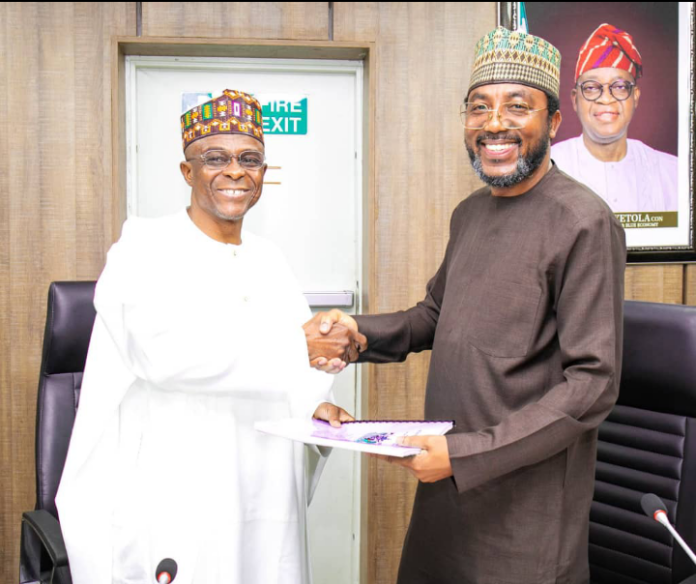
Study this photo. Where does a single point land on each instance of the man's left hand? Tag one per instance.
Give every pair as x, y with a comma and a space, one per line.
332, 414
432, 464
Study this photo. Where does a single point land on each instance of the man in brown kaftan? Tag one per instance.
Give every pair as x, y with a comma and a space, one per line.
524, 319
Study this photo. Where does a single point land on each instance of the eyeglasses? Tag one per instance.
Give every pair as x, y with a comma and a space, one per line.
513, 115
219, 159
619, 90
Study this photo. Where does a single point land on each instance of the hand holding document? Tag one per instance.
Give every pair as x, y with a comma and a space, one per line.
371, 436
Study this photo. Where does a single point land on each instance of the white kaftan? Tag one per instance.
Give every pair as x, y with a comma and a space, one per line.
644, 180
194, 341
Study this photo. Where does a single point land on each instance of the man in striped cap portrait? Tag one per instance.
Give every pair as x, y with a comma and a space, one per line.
524, 319
628, 174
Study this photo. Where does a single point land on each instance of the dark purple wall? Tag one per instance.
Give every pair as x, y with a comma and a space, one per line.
654, 28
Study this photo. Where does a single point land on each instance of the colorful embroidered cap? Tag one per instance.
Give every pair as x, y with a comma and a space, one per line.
505, 56
609, 46
233, 112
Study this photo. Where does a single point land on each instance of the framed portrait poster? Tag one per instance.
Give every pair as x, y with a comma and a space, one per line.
628, 135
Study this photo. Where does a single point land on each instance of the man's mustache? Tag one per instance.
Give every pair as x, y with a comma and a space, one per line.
499, 136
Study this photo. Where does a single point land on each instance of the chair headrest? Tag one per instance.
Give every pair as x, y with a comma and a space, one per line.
659, 358
69, 323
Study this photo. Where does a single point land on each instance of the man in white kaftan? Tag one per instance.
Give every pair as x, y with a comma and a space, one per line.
645, 179
629, 175
164, 461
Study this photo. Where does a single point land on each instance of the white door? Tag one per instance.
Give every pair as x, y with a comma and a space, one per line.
311, 207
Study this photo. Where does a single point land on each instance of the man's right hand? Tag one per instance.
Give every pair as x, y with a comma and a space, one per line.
333, 341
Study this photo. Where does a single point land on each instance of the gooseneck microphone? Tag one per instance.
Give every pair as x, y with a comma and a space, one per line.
654, 507
166, 571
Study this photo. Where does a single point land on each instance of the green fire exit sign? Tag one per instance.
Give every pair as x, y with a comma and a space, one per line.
285, 116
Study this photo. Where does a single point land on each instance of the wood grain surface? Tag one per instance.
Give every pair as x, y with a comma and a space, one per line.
663, 283
242, 20
690, 285
55, 212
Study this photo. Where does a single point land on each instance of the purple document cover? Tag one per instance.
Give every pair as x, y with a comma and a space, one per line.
380, 432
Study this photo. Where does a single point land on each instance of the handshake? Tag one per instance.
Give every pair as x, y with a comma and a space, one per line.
333, 341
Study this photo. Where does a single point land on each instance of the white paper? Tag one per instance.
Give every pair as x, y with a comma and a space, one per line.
355, 436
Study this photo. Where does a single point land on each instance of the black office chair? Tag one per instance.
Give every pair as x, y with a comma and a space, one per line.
648, 445
69, 323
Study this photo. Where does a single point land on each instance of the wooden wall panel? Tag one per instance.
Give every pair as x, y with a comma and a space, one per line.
239, 20
356, 21
24, 222
424, 55
663, 283
55, 214
7, 488
690, 284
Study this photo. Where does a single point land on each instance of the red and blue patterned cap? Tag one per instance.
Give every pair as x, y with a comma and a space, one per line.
609, 46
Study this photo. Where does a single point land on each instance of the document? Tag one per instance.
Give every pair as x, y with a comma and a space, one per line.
373, 436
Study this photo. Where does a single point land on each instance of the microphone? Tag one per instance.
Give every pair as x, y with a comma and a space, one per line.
166, 571
654, 507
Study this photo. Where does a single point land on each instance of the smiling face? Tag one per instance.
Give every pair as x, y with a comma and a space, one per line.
221, 197
504, 158
606, 120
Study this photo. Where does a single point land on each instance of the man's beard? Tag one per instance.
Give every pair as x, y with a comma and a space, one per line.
526, 165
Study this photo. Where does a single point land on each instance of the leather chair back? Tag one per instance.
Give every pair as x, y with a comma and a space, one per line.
69, 323
648, 445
